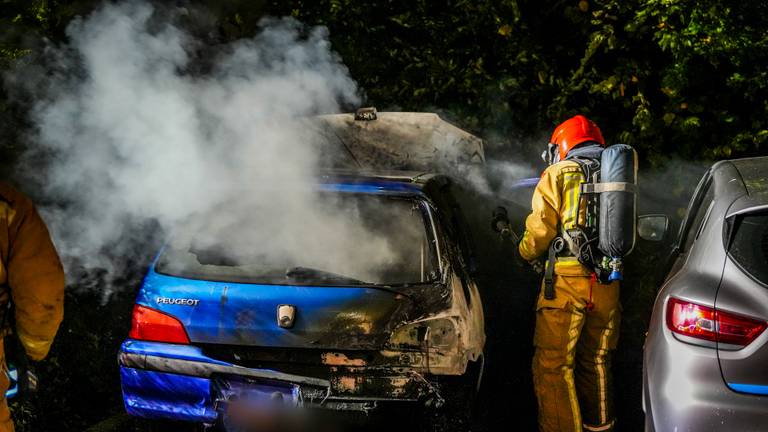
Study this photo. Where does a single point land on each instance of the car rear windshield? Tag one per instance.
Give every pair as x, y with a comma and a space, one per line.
341, 239
749, 247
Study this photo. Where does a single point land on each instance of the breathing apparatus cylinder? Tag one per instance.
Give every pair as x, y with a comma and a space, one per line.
618, 205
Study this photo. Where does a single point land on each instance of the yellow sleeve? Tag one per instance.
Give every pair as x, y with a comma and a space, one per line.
36, 281
542, 224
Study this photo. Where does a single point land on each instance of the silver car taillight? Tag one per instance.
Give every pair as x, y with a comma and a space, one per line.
703, 322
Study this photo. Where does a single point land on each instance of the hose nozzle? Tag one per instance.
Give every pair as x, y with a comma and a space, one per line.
500, 220
500, 224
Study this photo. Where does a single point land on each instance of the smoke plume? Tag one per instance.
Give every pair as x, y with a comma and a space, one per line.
128, 138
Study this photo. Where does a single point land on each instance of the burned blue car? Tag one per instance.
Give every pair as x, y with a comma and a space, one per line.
214, 321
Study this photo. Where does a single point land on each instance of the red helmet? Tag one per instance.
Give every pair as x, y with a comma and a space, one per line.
573, 132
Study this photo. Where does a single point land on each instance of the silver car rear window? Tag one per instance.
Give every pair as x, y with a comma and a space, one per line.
749, 247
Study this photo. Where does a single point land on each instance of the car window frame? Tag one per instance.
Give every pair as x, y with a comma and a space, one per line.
729, 241
456, 238
429, 210
704, 221
694, 207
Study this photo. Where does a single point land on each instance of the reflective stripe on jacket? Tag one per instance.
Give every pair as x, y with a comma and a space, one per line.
555, 207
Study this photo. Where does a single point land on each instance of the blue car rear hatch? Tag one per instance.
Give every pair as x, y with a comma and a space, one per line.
334, 343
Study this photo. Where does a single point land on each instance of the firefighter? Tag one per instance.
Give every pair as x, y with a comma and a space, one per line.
32, 278
577, 316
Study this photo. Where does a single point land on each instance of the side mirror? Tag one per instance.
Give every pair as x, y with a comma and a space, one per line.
652, 227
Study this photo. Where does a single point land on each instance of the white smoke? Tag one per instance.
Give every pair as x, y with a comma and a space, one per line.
126, 134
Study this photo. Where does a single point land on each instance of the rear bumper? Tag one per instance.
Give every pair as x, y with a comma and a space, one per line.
157, 395
166, 381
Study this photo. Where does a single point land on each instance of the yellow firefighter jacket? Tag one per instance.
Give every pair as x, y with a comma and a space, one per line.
30, 273
555, 208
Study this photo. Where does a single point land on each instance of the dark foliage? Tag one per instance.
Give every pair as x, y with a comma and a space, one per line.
669, 77
674, 78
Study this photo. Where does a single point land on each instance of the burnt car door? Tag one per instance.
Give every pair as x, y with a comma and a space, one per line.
463, 261
487, 265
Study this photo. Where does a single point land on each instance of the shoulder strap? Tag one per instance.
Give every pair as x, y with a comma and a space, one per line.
588, 166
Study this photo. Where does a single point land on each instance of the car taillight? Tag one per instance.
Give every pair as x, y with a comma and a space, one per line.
703, 322
152, 325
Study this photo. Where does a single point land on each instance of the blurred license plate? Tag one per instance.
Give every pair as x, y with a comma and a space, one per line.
233, 395
253, 405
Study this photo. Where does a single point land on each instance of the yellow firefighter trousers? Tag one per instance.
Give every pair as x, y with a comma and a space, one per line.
572, 364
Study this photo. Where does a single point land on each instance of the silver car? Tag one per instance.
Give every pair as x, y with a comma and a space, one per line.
705, 364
